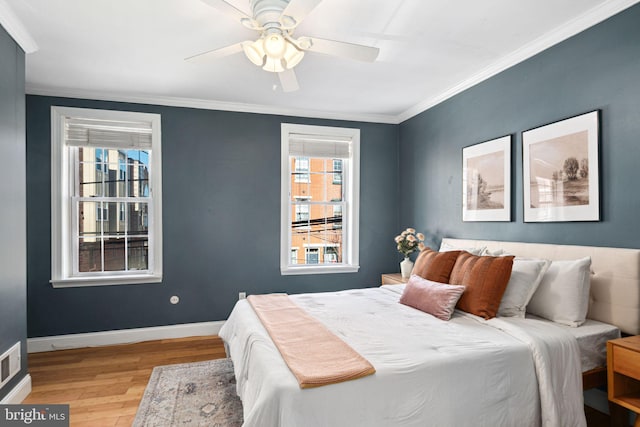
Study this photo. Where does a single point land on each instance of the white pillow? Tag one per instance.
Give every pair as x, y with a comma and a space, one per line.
526, 275
497, 252
563, 293
446, 247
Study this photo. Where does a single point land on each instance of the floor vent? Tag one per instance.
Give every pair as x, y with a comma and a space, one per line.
9, 364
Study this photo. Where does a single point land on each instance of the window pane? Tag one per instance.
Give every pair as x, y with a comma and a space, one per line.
89, 255
138, 253
111, 223
143, 174
90, 216
114, 254
317, 228
133, 155
334, 190
123, 176
300, 191
139, 186
112, 174
138, 218
90, 171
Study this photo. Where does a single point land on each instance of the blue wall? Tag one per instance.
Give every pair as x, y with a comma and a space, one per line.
13, 251
221, 208
596, 69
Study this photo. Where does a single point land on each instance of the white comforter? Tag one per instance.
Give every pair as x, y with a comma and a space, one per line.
465, 372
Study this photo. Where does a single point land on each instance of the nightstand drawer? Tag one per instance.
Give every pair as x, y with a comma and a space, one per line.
626, 362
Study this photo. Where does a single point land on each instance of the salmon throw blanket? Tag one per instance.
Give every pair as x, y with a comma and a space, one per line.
314, 354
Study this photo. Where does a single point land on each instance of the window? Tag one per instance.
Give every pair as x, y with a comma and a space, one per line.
337, 216
320, 199
331, 254
102, 212
311, 256
302, 213
106, 197
337, 171
301, 167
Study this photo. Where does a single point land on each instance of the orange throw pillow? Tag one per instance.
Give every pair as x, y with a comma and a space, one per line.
485, 279
435, 266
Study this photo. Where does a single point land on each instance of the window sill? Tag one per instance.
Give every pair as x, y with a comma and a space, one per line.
320, 269
75, 282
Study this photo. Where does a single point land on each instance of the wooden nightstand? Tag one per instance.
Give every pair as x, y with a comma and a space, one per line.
393, 279
623, 376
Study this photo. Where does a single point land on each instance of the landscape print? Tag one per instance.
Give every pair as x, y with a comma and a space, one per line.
559, 171
485, 181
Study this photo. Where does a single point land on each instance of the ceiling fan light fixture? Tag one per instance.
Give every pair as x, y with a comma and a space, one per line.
273, 65
275, 45
255, 52
292, 55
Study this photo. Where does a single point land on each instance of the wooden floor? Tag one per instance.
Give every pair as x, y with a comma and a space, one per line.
104, 385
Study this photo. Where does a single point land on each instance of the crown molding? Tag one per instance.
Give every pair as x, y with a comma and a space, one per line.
208, 104
573, 27
16, 29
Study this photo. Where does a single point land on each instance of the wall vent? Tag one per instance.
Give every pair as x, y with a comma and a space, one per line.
9, 364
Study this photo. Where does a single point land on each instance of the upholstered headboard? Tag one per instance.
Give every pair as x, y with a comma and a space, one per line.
615, 276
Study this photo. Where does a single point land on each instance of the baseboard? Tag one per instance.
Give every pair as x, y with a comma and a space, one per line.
122, 336
18, 393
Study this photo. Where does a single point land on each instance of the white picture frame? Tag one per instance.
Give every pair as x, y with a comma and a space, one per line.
560, 170
486, 181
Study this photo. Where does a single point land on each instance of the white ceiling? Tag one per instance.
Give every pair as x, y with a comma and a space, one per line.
134, 50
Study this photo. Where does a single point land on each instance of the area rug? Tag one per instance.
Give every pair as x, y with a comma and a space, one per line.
191, 394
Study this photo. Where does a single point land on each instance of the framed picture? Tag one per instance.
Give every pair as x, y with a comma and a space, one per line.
486, 181
560, 170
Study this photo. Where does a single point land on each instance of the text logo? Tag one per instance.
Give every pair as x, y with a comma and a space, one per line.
34, 415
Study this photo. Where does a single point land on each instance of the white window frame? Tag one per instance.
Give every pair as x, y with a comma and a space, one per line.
62, 181
350, 214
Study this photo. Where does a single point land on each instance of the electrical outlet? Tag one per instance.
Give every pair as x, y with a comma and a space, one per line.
242, 295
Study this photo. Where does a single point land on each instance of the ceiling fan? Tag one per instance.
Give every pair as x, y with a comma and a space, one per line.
276, 50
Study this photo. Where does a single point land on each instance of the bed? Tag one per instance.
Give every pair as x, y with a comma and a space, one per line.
467, 371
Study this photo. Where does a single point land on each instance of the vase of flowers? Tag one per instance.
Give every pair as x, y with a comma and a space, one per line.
408, 242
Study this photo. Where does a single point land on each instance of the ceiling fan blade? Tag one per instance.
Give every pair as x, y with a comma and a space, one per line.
343, 49
299, 9
235, 13
288, 80
211, 55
